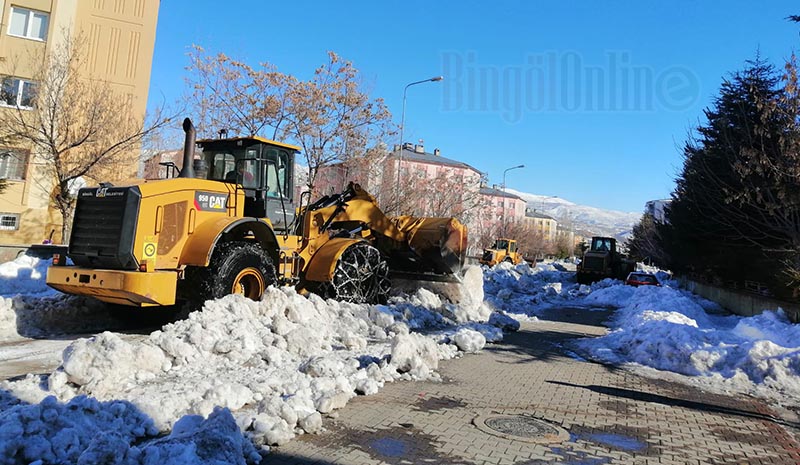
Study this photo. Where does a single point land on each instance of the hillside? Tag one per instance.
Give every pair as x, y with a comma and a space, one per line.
587, 221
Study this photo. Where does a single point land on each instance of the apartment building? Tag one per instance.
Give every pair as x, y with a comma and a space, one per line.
120, 37
545, 225
429, 183
499, 208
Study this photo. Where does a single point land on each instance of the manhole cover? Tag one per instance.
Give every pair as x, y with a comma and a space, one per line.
521, 428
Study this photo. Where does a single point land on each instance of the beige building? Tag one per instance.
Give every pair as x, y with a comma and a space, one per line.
120, 35
544, 225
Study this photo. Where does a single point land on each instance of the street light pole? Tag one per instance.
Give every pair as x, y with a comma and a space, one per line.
543, 200
547, 198
504, 194
402, 124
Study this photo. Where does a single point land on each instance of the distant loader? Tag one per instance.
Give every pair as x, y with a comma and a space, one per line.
503, 250
603, 260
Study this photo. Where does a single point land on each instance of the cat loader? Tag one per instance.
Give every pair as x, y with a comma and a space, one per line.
603, 260
228, 224
503, 250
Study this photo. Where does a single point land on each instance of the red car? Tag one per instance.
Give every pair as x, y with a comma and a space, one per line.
642, 279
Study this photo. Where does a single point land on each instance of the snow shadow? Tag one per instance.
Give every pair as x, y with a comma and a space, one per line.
63, 317
87, 431
589, 316
677, 402
542, 346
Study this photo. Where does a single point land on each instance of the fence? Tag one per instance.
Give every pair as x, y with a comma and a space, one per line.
741, 302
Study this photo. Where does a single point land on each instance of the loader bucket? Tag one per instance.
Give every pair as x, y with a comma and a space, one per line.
439, 244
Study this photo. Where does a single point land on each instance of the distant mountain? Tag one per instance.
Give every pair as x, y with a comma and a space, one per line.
586, 221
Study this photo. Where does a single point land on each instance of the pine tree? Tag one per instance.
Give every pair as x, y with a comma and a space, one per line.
730, 203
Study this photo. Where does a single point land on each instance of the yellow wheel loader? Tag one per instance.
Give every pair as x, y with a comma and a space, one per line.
603, 260
503, 250
228, 224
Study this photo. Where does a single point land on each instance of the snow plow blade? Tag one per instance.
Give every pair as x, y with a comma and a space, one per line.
438, 248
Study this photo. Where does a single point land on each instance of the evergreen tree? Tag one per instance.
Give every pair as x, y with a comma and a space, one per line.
646, 243
731, 199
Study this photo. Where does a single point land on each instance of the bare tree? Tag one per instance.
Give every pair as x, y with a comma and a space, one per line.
333, 118
330, 116
531, 242
76, 126
228, 94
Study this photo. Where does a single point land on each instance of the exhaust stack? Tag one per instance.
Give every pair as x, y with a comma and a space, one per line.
188, 150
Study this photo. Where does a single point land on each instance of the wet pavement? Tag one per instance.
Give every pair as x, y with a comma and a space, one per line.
609, 415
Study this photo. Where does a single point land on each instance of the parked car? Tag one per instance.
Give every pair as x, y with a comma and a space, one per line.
638, 278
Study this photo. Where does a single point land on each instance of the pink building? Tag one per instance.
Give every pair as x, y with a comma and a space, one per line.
430, 185
498, 208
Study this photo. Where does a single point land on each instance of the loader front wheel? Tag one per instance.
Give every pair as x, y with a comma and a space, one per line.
243, 268
361, 276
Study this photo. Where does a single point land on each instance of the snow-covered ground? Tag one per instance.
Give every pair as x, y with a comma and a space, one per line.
268, 369
226, 383
665, 328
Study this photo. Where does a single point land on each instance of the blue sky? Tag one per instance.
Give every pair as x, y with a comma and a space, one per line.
595, 98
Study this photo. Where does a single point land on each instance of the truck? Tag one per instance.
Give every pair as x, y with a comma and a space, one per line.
228, 223
603, 260
503, 250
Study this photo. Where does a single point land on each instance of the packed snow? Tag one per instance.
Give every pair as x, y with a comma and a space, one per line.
664, 328
226, 383
269, 370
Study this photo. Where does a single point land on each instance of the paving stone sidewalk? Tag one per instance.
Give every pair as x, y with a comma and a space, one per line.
611, 416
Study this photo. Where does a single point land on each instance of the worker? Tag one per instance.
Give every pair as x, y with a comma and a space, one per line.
241, 175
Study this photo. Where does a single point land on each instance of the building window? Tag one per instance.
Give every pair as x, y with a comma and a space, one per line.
9, 221
12, 165
29, 24
16, 92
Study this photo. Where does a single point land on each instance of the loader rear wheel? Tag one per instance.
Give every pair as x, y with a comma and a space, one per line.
361, 276
243, 268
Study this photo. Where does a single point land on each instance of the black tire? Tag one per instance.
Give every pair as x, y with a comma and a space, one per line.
361, 276
236, 268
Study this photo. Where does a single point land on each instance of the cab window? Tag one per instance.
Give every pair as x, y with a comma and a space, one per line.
277, 170
221, 164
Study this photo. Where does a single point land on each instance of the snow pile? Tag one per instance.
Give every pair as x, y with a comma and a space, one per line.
671, 329
278, 364
87, 431
36, 316
523, 289
469, 340
463, 302
24, 275
30, 308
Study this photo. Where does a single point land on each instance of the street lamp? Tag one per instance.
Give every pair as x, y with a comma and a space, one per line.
402, 124
547, 198
504, 194
550, 236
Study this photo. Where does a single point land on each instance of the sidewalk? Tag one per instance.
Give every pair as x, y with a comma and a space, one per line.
610, 416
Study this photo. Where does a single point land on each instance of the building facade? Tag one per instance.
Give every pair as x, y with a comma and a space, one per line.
657, 209
120, 38
430, 184
499, 210
544, 225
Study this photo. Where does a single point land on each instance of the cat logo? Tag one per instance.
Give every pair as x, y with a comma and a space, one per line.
101, 192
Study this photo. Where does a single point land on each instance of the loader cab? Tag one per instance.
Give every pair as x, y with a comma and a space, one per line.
262, 167
509, 245
604, 244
